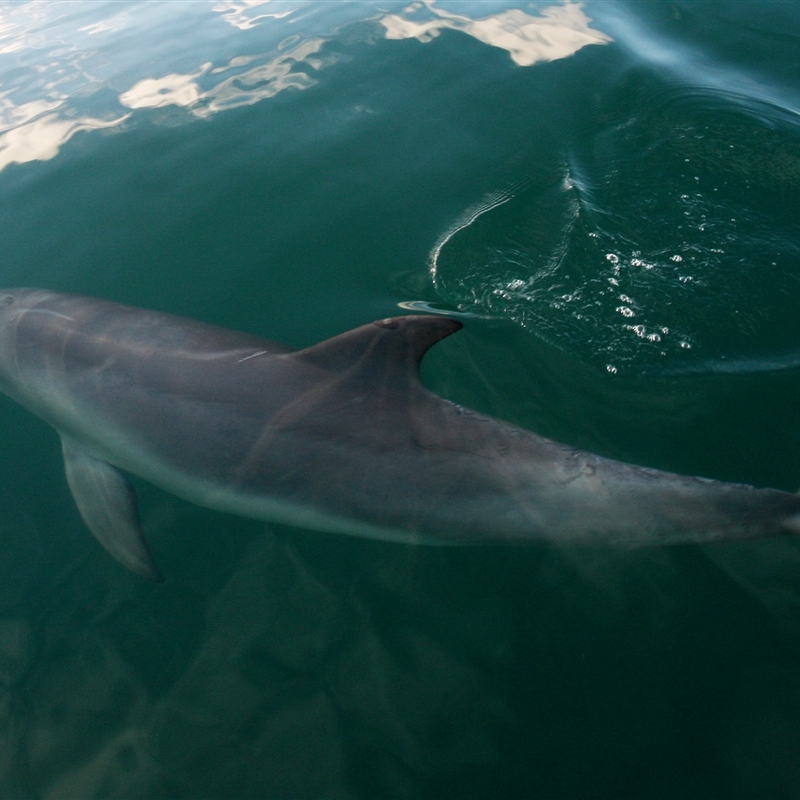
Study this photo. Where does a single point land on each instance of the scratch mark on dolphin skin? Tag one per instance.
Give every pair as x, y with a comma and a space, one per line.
253, 355
52, 313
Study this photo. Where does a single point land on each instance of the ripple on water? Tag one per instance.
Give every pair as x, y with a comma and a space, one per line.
663, 239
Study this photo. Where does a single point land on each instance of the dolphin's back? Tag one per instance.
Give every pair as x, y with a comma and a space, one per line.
156, 379
338, 427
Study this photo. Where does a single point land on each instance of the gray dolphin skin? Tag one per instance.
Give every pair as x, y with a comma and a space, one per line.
341, 437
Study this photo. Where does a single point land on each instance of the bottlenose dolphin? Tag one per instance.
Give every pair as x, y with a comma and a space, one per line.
341, 436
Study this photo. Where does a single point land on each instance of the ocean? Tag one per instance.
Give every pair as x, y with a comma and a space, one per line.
607, 195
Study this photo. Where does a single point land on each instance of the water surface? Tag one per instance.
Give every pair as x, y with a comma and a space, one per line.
607, 194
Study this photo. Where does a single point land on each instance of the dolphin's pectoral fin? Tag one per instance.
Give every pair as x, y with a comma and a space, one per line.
107, 503
398, 344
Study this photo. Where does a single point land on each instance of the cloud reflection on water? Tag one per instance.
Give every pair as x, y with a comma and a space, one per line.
240, 89
558, 32
238, 13
41, 139
65, 56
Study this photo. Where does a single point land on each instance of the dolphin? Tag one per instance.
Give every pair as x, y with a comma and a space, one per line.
341, 436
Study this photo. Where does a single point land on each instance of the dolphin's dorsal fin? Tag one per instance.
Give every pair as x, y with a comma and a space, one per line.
107, 502
397, 342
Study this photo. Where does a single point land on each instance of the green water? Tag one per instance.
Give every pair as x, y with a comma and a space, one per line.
608, 196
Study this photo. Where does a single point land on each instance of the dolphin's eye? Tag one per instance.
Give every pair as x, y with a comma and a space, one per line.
6, 300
